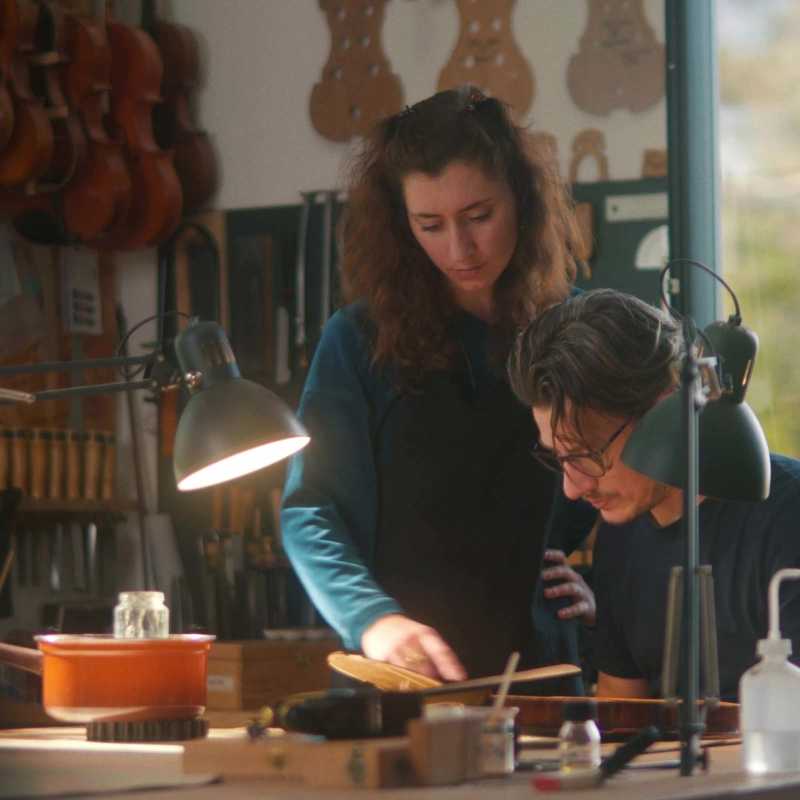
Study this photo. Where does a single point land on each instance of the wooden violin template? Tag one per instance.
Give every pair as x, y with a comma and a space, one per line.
619, 64
357, 87
487, 56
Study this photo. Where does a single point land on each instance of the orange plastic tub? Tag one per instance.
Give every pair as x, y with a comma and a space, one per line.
97, 677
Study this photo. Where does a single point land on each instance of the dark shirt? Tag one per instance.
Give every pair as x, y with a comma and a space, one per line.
745, 544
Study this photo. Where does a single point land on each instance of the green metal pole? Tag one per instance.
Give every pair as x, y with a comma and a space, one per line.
692, 94
692, 145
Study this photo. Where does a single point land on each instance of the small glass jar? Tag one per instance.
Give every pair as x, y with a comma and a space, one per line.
579, 737
141, 615
498, 740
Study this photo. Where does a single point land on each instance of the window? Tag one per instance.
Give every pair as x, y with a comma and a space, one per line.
759, 130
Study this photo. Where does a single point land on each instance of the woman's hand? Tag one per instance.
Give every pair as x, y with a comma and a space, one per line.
570, 584
405, 643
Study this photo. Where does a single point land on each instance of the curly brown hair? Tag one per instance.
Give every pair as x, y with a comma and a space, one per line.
407, 298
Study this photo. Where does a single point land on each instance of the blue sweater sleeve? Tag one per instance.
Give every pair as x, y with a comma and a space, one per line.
329, 509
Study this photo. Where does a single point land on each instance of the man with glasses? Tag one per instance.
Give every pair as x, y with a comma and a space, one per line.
590, 368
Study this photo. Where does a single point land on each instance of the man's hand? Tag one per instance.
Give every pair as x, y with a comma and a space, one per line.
569, 584
405, 643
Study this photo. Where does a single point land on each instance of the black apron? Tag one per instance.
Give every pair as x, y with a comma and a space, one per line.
462, 515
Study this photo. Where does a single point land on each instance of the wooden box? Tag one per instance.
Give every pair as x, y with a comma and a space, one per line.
254, 673
341, 764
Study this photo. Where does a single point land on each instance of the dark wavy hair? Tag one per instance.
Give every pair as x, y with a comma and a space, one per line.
382, 264
602, 350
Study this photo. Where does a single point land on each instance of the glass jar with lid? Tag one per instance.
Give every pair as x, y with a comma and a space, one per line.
141, 615
579, 737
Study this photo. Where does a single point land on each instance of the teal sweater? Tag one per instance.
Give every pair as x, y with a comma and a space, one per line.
329, 515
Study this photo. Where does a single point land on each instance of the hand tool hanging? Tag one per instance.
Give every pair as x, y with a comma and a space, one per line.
310, 281
300, 334
148, 567
9, 502
327, 257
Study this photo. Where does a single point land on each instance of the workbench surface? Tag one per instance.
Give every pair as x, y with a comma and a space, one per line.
41, 762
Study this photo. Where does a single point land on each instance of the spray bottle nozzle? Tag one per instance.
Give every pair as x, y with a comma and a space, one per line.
774, 645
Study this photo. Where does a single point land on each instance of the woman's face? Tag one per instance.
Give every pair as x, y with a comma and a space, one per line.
467, 224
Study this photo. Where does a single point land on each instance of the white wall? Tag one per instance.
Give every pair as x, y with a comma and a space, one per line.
262, 58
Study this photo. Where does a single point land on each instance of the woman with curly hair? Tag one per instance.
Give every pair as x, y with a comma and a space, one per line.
416, 517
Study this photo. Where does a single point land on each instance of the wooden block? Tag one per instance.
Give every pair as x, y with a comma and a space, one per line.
254, 673
343, 764
354, 763
233, 752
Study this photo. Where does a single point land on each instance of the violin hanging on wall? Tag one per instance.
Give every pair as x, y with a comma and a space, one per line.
29, 150
156, 200
36, 208
98, 198
173, 126
8, 41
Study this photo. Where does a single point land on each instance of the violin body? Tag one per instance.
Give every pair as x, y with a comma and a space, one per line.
156, 200
33, 201
29, 149
98, 197
620, 717
69, 141
194, 158
8, 41
6, 115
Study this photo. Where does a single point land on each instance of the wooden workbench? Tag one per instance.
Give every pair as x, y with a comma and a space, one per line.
33, 761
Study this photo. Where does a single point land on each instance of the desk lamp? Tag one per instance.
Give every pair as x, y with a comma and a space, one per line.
230, 426
721, 452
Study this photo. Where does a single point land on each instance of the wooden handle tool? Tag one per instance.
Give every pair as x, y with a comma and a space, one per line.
388, 677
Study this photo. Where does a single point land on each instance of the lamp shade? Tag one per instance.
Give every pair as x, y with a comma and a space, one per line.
230, 426
733, 457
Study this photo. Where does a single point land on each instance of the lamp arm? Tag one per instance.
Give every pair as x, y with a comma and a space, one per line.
161, 377
97, 388
64, 366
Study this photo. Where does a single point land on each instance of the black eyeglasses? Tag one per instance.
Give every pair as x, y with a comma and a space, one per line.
589, 462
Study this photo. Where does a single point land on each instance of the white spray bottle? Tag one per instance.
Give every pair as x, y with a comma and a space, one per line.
769, 693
